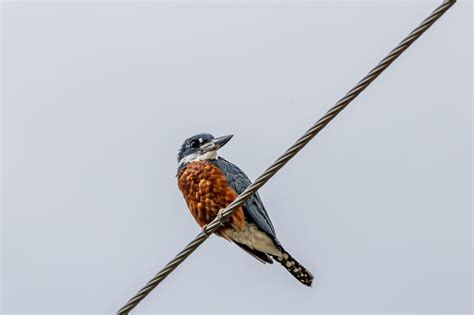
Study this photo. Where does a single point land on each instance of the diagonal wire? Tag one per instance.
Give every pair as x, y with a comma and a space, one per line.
290, 153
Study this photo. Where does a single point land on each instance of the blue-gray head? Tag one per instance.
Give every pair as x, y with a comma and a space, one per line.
201, 147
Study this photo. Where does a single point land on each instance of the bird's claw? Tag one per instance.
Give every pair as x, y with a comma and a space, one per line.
219, 218
203, 230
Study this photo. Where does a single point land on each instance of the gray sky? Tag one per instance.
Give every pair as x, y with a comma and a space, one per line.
97, 98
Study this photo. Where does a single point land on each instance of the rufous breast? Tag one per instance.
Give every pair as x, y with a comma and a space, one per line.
206, 190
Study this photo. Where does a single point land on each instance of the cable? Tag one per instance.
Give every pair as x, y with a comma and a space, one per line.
289, 154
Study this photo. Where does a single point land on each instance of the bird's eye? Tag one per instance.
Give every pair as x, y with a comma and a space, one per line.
194, 144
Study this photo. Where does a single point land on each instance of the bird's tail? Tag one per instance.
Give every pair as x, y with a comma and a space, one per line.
295, 268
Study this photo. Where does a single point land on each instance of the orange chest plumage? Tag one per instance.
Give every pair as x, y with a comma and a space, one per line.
206, 190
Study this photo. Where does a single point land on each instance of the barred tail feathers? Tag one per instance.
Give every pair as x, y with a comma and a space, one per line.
295, 268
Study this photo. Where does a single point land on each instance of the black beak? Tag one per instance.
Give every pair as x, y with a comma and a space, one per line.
221, 141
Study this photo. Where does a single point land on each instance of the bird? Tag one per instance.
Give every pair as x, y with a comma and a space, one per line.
209, 183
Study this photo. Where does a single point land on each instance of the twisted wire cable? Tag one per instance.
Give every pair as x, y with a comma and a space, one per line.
289, 154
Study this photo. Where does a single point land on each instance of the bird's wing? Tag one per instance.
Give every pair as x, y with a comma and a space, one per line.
253, 206
260, 256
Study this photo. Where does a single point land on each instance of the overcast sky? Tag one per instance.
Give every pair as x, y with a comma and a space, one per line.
98, 97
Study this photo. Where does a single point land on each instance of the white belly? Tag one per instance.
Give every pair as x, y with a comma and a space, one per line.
254, 238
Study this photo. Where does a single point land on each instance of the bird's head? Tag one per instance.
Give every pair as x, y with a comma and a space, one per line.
201, 147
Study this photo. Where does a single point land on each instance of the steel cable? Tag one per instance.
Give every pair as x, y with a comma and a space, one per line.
290, 153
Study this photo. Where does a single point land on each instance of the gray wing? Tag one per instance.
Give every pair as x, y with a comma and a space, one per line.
253, 206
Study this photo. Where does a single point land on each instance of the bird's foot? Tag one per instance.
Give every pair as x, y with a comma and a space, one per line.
219, 217
203, 230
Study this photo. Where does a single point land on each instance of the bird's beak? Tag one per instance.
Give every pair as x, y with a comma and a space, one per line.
216, 143
221, 141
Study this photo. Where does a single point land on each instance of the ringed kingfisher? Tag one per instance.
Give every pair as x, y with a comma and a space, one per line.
209, 183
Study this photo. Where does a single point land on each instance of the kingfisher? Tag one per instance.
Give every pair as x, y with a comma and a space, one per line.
209, 183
